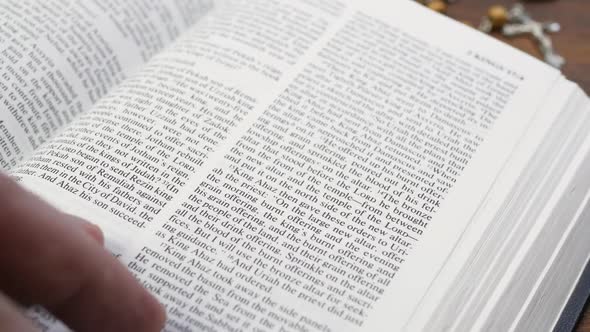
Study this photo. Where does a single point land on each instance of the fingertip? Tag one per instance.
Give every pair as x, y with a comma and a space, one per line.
89, 228
95, 232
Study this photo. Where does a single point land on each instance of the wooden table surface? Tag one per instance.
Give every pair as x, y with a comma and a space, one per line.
572, 42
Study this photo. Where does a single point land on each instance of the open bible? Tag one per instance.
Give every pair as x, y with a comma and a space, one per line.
312, 165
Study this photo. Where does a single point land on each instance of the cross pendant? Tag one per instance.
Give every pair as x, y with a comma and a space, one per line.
520, 23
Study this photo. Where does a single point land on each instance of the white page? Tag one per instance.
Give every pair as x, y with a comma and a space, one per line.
501, 189
206, 69
58, 58
400, 20
461, 203
535, 257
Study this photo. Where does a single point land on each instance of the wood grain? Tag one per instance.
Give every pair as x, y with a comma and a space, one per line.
572, 42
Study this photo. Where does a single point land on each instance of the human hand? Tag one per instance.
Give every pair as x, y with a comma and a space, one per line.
58, 261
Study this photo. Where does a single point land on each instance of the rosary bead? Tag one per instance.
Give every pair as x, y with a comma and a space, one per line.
498, 16
438, 6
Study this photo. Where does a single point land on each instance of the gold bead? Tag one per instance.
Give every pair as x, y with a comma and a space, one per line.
438, 6
498, 16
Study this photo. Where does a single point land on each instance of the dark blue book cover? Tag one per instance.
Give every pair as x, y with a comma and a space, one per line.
574, 309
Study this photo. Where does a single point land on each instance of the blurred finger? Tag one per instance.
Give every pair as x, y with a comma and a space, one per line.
46, 261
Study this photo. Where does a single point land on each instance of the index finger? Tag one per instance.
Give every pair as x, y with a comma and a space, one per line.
46, 261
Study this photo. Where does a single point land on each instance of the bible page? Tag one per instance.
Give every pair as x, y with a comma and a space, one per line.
296, 165
58, 58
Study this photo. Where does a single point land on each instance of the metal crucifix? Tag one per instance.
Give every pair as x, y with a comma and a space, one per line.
519, 22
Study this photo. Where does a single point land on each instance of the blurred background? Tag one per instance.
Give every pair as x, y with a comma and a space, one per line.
572, 42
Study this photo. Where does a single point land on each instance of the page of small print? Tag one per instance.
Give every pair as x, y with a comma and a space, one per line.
273, 168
